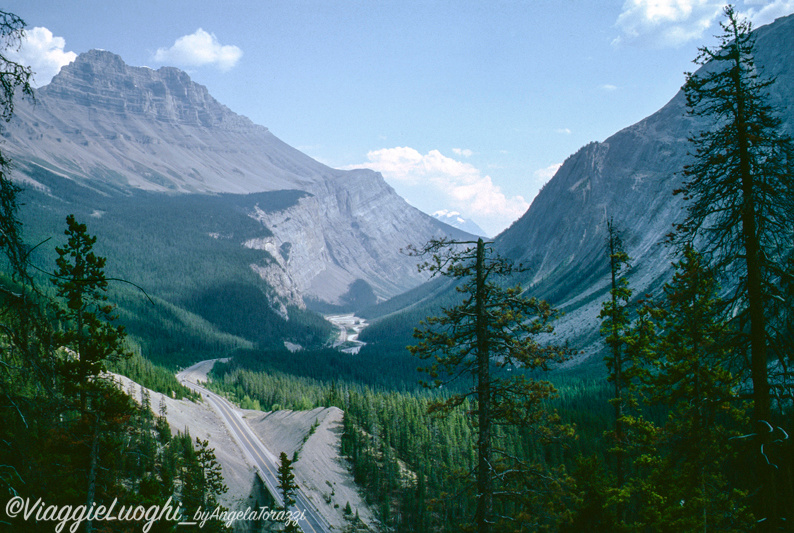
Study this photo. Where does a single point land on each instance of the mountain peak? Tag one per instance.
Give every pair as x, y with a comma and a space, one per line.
105, 131
102, 80
454, 219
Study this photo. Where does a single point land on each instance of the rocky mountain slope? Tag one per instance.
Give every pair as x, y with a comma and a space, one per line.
629, 177
114, 130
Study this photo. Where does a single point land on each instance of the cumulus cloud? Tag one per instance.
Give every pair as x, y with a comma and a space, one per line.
463, 152
198, 49
44, 53
762, 12
543, 175
665, 23
446, 182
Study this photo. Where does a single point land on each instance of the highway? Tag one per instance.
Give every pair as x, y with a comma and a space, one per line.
265, 462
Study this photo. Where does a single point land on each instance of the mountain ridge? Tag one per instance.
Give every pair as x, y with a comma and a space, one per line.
113, 129
560, 241
629, 178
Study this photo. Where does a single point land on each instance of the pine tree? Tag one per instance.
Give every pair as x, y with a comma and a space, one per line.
615, 325
214, 485
25, 362
689, 376
739, 186
741, 207
14, 80
287, 487
203, 480
490, 337
89, 338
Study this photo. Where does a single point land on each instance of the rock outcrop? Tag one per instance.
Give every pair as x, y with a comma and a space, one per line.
115, 128
629, 177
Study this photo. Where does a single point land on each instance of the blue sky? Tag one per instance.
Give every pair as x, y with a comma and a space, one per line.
462, 105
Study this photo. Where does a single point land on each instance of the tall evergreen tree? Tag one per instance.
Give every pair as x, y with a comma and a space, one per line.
287, 486
87, 338
741, 207
614, 326
14, 80
24, 331
739, 186
203, 481
87, 333
489, 337
690, 376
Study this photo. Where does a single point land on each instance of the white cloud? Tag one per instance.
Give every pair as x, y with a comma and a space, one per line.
463, 152
565, 131
44, 53
663, 23
762, 12
433, 180
199, 49
609, 87
543, 175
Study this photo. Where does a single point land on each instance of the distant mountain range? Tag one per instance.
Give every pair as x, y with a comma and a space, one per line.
230, 231
223, 221
454, 219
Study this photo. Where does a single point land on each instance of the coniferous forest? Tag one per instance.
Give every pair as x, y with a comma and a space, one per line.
482, 420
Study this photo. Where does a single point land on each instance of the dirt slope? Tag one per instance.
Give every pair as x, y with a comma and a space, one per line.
320, 471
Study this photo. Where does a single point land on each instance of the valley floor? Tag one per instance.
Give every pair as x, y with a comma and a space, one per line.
350, 326
320, 471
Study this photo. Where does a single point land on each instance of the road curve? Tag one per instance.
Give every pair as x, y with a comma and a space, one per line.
265, 462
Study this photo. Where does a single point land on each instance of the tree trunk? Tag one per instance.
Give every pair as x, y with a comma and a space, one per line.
93, 468
484, 472
752, 248
755, 300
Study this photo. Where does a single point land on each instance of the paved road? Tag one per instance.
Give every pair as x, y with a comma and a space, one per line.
266, 463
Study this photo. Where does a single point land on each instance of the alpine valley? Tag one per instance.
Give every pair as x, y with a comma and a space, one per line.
175, 254
233, 231
629, 178
225, 225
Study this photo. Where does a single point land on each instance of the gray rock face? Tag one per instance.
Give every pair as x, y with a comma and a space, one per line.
369, 229
103, 81
101, 121
629, 177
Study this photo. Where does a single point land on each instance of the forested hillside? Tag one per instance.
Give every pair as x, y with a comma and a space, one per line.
683, 424
630, 178
469, 409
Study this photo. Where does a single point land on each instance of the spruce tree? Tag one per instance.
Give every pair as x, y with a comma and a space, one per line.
741, 214
739, 187
615, 325
490, 337
88, 341
87, 335
690, 377
287, 487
